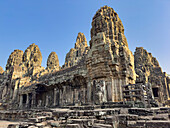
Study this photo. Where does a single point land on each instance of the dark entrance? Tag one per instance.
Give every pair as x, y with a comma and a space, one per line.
41, 95
24, 99
155, 92
30, 99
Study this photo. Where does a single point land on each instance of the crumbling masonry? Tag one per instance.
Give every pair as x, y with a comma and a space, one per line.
91, 75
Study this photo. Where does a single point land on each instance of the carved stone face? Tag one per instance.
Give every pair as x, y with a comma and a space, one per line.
32, 56
14, 59
53, 62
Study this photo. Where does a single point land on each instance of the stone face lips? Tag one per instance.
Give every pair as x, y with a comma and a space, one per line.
32, 56
15, 59
107, 20
75, 54
148, 70
52, 61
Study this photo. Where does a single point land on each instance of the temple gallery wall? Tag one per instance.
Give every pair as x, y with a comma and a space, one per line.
105, 71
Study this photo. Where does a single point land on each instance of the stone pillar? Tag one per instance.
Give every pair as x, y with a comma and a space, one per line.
121, 82
61, 98
104, 91
46, 103
27, 102
89, 92
33, 102
15, 92
76, 97
116, 90
55, 96
20, 101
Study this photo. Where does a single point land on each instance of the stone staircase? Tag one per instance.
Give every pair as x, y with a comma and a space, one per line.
95, 117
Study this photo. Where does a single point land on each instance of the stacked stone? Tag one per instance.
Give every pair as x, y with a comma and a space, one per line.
90, 75
53, 62
75, 55
24, 69
107, 20
15, 59
32, 56
149, 71
109, 58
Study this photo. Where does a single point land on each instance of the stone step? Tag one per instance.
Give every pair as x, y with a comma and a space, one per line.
100, 121
153, 124
54, 123
97, 125
115, 106
81, 121
141, 111
71, 126
82, 117
38, 119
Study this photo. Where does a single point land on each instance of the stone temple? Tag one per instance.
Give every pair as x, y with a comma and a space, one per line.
99, 86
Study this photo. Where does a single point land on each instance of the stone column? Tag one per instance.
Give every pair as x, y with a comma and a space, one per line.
33, 102
27, 102
104, 91
20, 101
89, 92
55, 96
15, 93
76, 97
61, 98
46, 103
116, 90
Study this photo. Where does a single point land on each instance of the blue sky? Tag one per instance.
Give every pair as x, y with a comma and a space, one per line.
54, 24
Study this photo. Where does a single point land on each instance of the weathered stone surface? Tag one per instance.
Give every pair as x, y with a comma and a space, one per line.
109, 58
94, 86
76, 54
107, 20
149, 70
53, 62
15, 59
32, 56
91, 75
1, 70
81, 41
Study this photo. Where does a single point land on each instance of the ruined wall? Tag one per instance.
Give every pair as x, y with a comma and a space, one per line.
148, 70
90, 75
109, 58
23, 69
